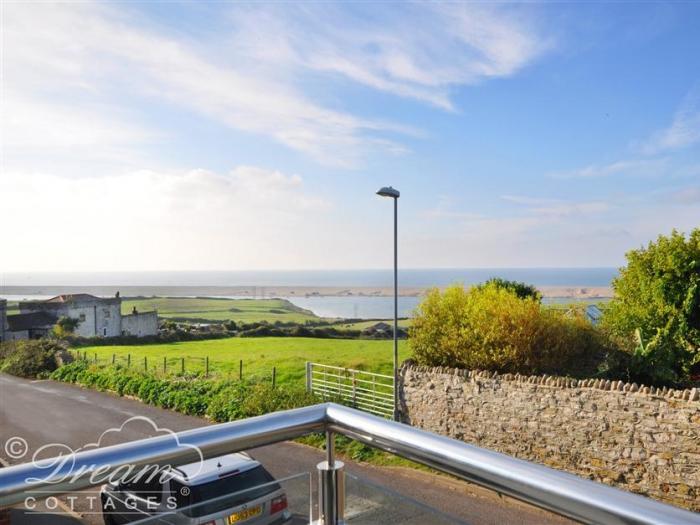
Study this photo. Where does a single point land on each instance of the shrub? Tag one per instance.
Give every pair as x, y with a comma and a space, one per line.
522, 290
221, 400
491, 328
656, 309
31, 358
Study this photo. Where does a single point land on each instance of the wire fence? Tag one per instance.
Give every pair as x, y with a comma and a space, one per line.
172, 365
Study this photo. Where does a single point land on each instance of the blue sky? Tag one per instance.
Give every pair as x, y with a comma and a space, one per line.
194, 136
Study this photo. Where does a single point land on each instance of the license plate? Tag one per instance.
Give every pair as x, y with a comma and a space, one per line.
245, 514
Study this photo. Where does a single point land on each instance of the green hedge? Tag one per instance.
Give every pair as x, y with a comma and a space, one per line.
219, 400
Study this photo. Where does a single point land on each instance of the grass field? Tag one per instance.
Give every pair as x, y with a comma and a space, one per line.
259, 355
201, 309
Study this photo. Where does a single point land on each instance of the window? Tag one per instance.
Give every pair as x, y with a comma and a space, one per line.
107, 313
240, 488
82, 318
104, 331
148, 489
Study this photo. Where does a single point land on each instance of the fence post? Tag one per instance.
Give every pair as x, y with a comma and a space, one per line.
182, 364
165, 364
240, 370
145, 363
274, 376
128, 360
95, 357
308, 376
354, 390
114, 357
206, 366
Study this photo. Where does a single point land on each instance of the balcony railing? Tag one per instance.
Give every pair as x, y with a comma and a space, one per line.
558, 492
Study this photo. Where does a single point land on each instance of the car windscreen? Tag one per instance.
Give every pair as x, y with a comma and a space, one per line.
227, 492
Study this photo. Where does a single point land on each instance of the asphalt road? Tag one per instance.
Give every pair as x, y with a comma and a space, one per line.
43, 412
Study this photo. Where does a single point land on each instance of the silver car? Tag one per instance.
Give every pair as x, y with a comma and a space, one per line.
227, 490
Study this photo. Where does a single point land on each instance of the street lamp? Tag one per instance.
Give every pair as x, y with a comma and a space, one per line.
394, 194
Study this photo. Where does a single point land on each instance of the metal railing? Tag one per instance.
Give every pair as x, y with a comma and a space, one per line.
559, 492
367, 391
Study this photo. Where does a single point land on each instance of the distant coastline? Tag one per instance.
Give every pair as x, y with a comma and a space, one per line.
260, 292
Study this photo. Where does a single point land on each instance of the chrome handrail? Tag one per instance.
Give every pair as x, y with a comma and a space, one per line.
559, 492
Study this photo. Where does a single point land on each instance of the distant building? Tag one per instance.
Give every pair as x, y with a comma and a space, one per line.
96, 316
3, 320
592, 313
30, 326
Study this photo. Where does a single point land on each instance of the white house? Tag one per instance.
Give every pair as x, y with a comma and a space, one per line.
96, 316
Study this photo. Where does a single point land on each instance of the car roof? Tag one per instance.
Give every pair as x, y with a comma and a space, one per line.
212, 469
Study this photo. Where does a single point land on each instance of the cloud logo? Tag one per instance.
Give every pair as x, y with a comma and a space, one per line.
62, 466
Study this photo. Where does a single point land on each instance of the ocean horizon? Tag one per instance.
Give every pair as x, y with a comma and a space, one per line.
410, 277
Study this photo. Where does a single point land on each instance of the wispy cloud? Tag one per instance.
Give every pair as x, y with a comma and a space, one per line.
79, 52
684, 130
413, 50
689, 195
632, 167
253, 77
556, 208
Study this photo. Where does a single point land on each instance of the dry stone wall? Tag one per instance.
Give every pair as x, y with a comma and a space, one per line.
642, 439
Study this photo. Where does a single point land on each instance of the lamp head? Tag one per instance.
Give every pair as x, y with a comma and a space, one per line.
388, 191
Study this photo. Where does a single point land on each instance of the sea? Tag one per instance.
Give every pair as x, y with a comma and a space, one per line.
27, 286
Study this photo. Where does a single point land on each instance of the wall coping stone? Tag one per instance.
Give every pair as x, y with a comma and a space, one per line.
688, 394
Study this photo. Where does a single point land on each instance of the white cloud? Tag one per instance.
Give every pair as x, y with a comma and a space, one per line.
689, 195
633, 167
684, 130
140, 220
414, 50
79, 52
556, 208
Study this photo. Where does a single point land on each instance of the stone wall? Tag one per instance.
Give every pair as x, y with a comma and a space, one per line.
642, 439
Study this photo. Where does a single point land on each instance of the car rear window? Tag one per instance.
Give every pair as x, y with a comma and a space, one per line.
256, 482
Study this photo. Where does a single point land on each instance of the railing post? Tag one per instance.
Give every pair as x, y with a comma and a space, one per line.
331, 486
309, 386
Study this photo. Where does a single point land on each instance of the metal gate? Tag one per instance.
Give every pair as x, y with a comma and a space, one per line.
366, 391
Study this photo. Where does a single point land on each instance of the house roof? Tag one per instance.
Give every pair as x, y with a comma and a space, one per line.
69, 298
29, 321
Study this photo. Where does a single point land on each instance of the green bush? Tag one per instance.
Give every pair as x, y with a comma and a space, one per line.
220, 400
522, 290
656, 309
30, 358
491, 328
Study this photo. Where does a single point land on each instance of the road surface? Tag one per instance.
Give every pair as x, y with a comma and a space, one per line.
43, 412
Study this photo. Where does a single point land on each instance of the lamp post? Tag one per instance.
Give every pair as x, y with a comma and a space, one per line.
394, 194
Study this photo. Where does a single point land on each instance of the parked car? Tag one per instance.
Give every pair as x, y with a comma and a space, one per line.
227, 490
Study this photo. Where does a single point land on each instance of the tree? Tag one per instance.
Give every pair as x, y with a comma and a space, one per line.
656, 307
65, 326
522, 290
